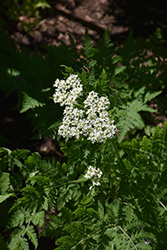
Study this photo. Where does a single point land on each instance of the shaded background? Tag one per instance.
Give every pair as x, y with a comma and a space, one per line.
55, 21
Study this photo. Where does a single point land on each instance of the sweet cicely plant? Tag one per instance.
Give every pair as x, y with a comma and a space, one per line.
89, 119
108, 191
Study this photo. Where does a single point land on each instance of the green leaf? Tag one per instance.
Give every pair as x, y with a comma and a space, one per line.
4, 197
106, 38
128, 120
32, 235
13, 72
87, 49
24, 244
16, 248
30, 103
4, 182
101, 210
92, 63
119, 69
42, 5
67, 242
129, 117
150, 96
18, 241
18, 218
38, 218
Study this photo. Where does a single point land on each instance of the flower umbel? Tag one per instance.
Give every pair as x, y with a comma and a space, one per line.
71, 122
91, 121
93, 174
67, 91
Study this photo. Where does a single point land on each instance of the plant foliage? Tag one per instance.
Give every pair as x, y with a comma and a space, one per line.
47, 197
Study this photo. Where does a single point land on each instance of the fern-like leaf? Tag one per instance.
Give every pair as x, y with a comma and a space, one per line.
4, 183
4, 197
32, 235
87, 50
106, 38
129, 117
66, 243
150, 96
30, 103
18, 218
38, 218
17, 241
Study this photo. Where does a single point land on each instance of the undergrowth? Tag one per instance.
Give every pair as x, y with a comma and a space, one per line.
45, 197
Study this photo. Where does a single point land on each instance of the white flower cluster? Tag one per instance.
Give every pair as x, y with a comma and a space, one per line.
92, 121
94, 174
98, 125
67, 91
72, 121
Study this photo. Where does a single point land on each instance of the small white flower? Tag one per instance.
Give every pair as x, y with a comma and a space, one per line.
94, 174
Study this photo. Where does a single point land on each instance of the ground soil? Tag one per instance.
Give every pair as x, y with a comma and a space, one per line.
73, 16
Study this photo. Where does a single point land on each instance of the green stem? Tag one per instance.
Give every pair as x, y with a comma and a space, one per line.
128, 136
77, 181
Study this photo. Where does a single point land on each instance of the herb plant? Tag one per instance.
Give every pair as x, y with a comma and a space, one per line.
110, 191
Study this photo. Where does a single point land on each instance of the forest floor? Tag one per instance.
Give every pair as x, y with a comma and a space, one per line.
73, 16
